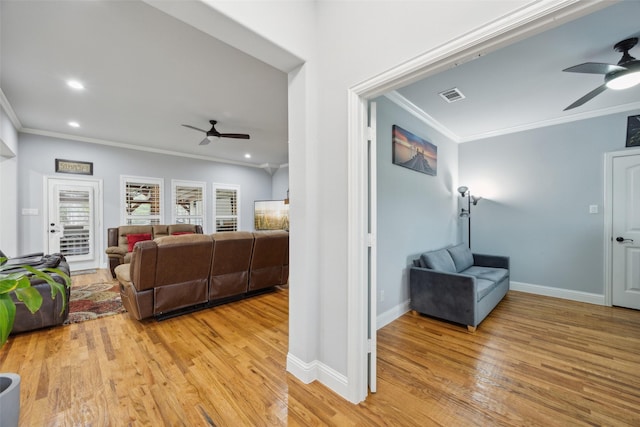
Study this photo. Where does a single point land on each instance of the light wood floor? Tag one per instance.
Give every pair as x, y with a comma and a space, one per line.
533, 361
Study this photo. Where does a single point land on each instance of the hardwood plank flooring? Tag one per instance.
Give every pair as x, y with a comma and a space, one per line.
535, 361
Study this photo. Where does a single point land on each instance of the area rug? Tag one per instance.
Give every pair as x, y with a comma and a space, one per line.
93, 301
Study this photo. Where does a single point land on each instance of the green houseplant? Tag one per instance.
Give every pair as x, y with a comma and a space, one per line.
18, 283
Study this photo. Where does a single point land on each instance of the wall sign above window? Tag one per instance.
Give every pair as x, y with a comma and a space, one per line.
72, 166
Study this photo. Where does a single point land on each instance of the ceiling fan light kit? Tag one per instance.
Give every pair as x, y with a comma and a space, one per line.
624, 75
623, 80
207, 139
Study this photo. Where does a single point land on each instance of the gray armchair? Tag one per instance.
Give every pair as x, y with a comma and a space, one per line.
455, 285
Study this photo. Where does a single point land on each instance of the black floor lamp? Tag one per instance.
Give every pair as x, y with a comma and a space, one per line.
466, 213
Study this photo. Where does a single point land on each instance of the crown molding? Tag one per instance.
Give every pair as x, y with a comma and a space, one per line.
4, 103
271, 168
133, 147
6, 106
553, 122
420, 114
417, 112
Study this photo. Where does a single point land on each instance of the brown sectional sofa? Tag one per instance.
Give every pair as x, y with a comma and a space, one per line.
118, 243
270, 260
229, 273
172, 274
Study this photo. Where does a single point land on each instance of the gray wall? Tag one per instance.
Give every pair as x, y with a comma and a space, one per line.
416, 212
538, 186
280, 183
36, 160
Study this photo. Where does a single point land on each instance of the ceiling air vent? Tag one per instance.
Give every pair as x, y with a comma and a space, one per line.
452, 95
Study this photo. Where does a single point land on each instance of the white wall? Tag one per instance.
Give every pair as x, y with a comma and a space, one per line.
8, 187
538, 186
354, 41
416, 212
37, 159
358, 40
349, 53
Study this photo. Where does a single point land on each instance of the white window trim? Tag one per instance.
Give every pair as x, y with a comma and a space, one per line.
236, 187
182, 183
143, 179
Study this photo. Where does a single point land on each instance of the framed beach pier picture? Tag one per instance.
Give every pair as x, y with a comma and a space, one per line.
413, 152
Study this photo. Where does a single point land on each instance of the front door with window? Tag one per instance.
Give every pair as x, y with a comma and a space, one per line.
73, 221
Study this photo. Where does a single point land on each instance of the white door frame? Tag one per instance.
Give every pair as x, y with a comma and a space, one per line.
525, 22
373, 248
608, 220
98, 216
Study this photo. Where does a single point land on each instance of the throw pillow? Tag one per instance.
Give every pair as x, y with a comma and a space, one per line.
438, 260
462, 257
179, 233
132, 239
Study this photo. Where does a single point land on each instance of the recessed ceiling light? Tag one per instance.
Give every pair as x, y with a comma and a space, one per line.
247, 156
74, 124
75, 84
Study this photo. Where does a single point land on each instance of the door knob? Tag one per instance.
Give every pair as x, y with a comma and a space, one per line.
622, 239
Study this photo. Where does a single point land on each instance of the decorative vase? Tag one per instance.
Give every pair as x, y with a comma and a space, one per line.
9, 399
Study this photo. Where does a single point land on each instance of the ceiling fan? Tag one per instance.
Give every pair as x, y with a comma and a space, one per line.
624, 75
213, 133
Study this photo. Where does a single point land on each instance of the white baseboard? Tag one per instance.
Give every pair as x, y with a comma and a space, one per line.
334, 380
305, 372
389, 316
317, 371
558, 293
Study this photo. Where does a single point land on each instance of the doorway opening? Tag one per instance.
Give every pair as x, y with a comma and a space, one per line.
529, 22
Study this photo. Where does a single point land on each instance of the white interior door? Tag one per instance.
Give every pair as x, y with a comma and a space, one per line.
626, 232
73, 221
373, 253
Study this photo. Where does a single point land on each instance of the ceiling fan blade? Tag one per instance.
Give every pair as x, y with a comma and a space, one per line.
213, 133
594, 68
235, 135
597, 91
195, 128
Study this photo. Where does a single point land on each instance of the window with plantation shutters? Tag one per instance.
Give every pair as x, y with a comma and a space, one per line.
75, 217
227, 207
141, 200
188, 202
